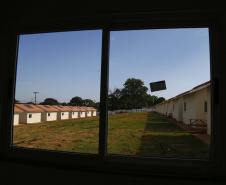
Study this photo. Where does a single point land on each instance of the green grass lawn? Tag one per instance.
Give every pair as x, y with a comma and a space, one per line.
140, 134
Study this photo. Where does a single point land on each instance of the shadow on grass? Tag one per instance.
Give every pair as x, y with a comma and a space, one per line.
165, 139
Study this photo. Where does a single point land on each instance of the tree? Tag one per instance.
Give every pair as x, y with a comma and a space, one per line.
97, 106
88, 102
159, 100
16, 101
64, 104
30, 102
50, 101
134, 93
114, 99
76, 101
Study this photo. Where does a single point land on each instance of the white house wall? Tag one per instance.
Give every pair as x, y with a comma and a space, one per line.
88, 113
178, 109
65, 115
190, 112
82, 114
36, 117
75, 114
94, 113
52, 117
16, 119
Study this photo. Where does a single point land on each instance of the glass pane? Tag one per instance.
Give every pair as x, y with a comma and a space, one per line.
58, 91
171, 122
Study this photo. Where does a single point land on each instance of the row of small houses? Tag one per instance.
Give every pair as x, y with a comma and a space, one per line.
28, 113
193, 106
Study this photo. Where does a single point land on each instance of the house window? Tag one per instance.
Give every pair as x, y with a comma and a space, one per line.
73, 113
48, 114
30, 115
107, 130
205, 106
62, 113
185, 108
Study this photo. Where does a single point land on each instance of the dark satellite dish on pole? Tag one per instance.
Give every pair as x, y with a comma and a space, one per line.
158, 86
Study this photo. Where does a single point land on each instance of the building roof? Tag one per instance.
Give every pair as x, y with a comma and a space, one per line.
62, 108
91, 108
17, 110
196, 88
73, 108
81, 108
29, 107
48, 108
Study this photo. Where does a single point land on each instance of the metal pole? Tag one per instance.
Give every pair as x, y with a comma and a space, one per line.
35, 96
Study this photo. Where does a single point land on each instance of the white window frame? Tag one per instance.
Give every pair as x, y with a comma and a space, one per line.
133, 164
29, 115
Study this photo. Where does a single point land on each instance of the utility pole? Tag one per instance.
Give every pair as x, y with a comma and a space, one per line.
35, 96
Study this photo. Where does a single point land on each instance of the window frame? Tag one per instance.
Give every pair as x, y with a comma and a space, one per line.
185, 106
205, 107
29, 115
116, 163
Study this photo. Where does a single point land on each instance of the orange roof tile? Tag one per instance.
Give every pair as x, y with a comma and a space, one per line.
62, 108
17, 110
81, 108
29, 107
73, 108
48, 108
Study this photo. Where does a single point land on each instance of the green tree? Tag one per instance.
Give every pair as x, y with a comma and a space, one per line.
97, 105
64, 104
76, 101
50, 101
30, 102
114, 99
88, 102
159, 100
16, 101
134, 93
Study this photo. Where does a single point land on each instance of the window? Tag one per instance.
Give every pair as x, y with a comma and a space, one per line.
30, 115
73, 113
117, 161
205, 106
48, 114
185, 108
62, 113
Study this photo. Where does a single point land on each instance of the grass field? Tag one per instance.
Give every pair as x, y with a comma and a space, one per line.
139, 134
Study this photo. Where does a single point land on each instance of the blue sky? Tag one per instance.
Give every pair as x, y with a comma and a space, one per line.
67, 64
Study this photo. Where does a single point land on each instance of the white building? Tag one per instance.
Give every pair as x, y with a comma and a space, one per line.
82, 113
16, 116
63, 112
49, 113
30, 114
74, 112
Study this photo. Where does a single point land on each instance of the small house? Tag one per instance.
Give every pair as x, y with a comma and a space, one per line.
178, 108
49, 113
94, 111
82, 113
16, 117
63, 112
31, 113
74, 112
88, 111
195, 103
